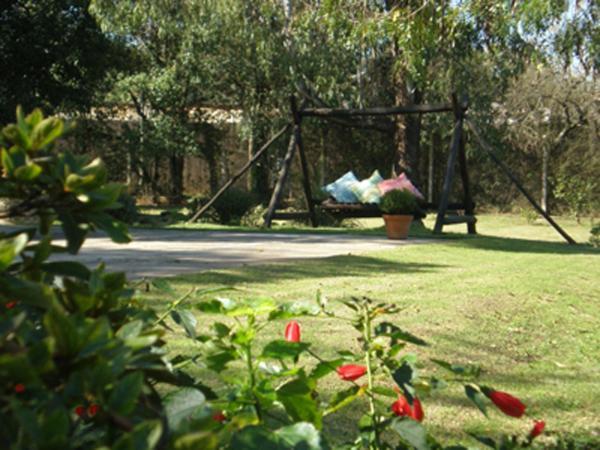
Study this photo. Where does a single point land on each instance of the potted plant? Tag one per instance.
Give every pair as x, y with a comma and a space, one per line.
398, 207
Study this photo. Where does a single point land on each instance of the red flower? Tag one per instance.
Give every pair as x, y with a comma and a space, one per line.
93, 409
19, 388
10, 305
219, 417
509, 405
402, 408
292, 332
418, 413
351, 372
538, 428
80, 410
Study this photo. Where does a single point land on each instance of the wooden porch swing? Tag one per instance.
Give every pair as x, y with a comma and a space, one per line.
358, 210
447, 213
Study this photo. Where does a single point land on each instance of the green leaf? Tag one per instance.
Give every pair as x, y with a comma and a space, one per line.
300, 435
75, 232
325, 368
46, 131
411, 432
403, 377
145, 436
54, 429
487, 441
396, 333
67, 269
123, 398
130, 330
163, 285
257, 438
475, 395
60, 326
115, 229
186, 319
290, 310
205, 440
468, 370
28, 292
281, 349
297, 399
28, 172
185, 404
10, 248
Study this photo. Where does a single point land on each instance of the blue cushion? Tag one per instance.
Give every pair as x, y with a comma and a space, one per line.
366, 190
341, 189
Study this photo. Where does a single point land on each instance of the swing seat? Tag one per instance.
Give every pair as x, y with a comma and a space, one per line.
350, 210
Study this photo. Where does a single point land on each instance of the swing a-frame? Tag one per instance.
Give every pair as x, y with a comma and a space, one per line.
447, 213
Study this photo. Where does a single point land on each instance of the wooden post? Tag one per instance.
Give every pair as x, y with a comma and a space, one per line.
454, 144
283, 173
303, 163
519, 186
467, 198
241, 172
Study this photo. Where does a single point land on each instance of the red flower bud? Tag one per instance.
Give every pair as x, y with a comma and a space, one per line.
19, 388
351, 372
80, 410
418, 413
538, 428
292, 332
219, 417
509, 405
401, 407
10, 305
93, 409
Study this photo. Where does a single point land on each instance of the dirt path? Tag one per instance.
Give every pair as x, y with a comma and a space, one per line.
157, 253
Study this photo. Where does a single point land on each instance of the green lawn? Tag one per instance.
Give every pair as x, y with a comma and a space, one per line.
514, 299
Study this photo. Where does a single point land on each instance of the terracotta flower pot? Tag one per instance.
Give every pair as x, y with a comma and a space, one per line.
397, 226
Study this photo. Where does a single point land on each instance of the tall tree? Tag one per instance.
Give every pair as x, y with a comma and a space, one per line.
53, 55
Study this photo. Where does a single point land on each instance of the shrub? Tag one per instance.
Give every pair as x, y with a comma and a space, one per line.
233, 204
79, 361
399, 202
595, 235
254, 217
127, 210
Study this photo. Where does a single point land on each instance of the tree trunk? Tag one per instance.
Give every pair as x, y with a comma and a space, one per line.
544, 199
407, 134
213, 174
436, 142
259, 173
176, 164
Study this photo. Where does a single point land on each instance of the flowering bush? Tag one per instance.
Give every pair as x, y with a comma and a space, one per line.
84, 366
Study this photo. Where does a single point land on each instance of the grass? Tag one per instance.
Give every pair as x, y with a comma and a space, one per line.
514, 299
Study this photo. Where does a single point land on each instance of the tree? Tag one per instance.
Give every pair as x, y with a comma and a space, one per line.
54, 56
171, 81
546, 112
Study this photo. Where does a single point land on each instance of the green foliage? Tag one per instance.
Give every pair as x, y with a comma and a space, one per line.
399, 201
595, 235
79, 360
127, 211
59, 57
233, 205
579, 194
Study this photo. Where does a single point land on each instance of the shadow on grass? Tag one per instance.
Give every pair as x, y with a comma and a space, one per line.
503, 244
337, 266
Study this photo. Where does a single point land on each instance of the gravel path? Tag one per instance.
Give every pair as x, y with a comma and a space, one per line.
158, 253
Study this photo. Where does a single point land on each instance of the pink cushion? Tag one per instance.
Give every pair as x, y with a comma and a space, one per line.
401, 182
